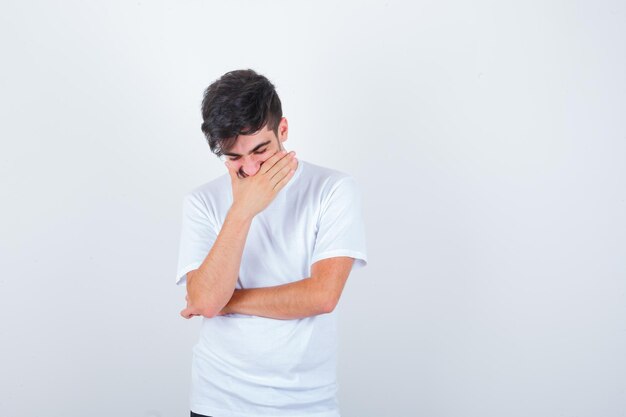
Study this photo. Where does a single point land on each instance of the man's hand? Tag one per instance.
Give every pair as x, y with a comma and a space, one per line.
189, 312
253, 194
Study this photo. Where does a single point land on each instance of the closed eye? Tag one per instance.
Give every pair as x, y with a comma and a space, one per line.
259, 152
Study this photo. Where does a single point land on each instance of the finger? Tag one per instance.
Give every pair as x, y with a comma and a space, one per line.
286, 160
284, 170
185, 313
271, 161
280, 184
231, 171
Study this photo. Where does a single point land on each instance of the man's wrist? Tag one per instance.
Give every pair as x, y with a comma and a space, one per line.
238, 214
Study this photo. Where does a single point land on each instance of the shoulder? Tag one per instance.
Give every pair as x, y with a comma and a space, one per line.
215, 186
327, 179
330, 188
205, 196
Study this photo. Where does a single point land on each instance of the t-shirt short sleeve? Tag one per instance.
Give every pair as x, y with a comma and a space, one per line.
341, 230
198, 234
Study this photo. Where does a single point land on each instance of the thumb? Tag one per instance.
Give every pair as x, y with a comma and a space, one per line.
231, 171
185, 313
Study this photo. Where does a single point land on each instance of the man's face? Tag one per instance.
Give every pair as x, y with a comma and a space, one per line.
250, 151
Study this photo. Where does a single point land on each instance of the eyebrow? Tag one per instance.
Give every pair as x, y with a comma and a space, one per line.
252, 151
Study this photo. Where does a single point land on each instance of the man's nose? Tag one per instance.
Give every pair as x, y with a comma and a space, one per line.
250, 167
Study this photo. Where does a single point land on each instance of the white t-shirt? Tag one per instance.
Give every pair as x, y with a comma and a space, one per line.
251, 366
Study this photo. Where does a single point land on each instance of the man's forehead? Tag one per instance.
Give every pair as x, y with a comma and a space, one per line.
244, 144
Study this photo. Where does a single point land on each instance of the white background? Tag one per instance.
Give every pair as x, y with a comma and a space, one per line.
489, 142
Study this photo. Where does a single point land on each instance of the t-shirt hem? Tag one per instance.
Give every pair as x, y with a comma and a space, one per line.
217, 412
360, 257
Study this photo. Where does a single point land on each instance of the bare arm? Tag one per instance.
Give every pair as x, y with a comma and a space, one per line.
211, 285
318, 294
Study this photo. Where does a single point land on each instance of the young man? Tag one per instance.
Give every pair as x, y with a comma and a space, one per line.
265, 252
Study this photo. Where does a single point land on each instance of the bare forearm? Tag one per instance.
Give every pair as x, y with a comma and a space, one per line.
287, 301
212, 285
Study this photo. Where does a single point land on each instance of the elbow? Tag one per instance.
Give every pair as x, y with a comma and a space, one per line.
209, 310
208, 313
204, 307
328, 305
203, 301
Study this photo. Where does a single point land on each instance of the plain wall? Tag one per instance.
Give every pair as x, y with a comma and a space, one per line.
488, 139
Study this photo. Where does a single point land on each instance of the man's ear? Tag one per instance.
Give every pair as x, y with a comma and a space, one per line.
283, 129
